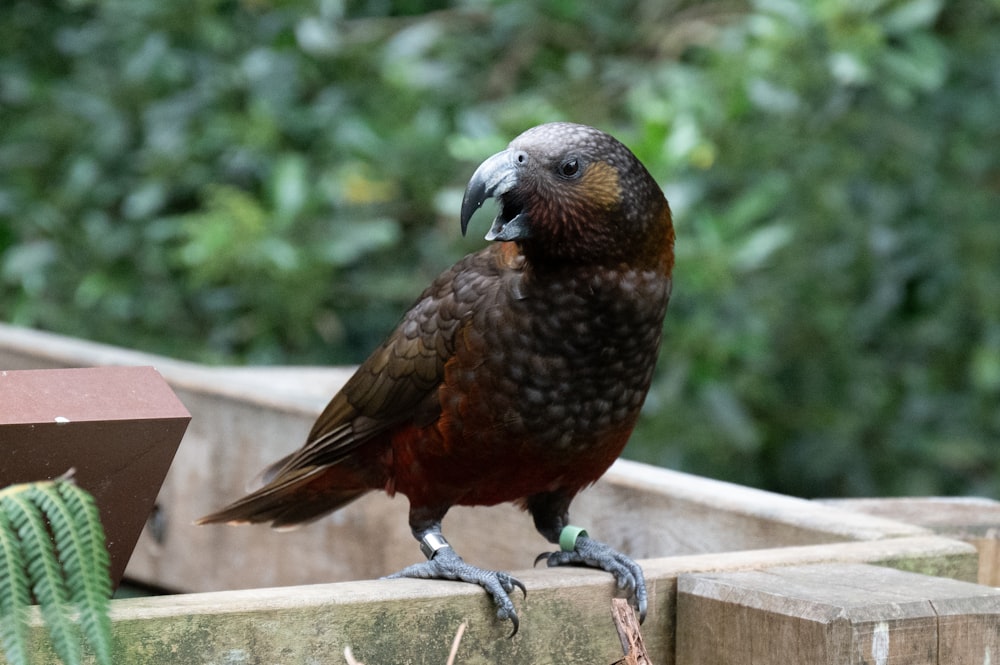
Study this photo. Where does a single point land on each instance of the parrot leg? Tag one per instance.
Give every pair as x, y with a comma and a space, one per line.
443, 563
551, 514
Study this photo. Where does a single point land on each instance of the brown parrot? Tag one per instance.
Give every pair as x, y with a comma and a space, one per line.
516, 376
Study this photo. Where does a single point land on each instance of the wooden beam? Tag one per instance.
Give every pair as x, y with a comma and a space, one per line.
564, 618
834, 614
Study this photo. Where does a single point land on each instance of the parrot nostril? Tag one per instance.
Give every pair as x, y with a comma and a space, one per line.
521, 157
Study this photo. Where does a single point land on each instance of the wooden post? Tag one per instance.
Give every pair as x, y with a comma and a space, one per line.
834, 614
118, 427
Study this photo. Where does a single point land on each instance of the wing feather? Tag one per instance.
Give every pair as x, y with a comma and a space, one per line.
399, 380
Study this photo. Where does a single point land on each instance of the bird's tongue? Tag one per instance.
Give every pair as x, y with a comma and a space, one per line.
496, 230
510, 224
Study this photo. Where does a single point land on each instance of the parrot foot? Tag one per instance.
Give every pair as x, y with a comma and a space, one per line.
595, 554
446, 564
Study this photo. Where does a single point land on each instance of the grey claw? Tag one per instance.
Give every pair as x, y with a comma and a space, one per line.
593, 553
513, 582
447, 565
542, 556
516, 623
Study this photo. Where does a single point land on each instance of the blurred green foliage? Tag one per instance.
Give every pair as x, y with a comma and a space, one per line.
273, 181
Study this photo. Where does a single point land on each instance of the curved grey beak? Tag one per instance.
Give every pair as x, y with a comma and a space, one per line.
495, 178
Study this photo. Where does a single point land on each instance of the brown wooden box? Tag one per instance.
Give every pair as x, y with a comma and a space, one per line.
117, 428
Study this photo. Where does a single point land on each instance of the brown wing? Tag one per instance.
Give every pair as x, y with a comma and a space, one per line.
398, 384
399, 380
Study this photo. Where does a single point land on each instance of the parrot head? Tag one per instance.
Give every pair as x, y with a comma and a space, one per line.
572, 193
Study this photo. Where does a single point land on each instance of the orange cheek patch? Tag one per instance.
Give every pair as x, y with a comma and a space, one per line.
600, 185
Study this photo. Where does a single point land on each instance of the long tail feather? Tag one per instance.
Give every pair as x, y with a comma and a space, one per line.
290, 500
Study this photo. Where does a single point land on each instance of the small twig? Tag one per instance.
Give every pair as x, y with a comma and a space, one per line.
350, 657
629, 634
454, 644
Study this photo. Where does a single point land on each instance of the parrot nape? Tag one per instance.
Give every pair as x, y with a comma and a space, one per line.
518, 374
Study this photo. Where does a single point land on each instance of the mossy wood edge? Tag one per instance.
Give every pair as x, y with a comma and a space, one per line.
565, 618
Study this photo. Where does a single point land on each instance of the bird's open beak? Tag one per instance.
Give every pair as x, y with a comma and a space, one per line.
498, 178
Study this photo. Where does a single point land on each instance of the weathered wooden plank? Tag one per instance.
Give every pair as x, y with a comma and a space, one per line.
116, 427
968, 631
687, 514
565, 617
972, 519
833, 614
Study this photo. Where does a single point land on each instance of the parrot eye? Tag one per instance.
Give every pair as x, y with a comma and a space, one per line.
570, 168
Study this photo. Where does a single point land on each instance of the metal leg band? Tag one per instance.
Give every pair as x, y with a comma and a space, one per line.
430, 543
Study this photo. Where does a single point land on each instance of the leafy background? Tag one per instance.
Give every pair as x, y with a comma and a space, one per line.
273, 181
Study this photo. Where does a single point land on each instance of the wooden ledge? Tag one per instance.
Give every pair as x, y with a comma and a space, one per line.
565, 618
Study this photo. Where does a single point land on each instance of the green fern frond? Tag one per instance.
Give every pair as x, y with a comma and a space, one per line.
53, 546
15, 596
47, 582
89, 583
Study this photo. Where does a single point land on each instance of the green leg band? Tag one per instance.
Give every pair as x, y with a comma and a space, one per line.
568, 536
